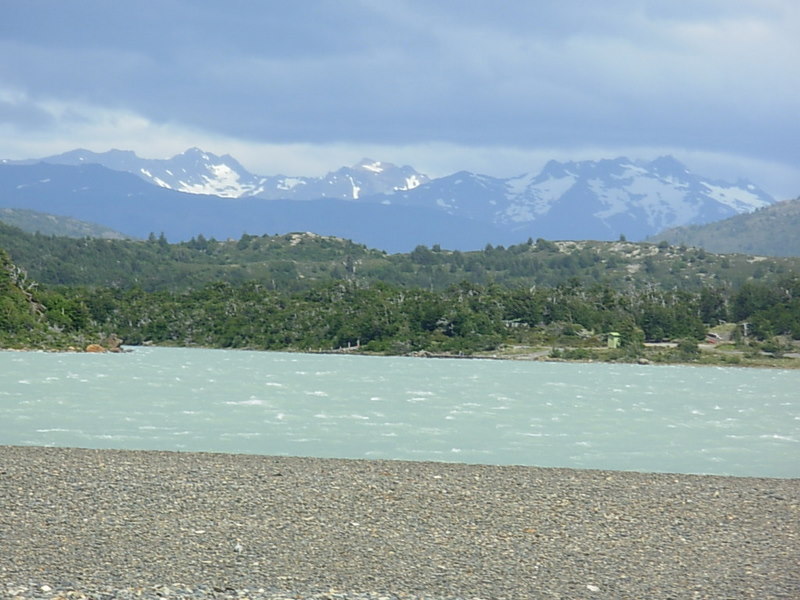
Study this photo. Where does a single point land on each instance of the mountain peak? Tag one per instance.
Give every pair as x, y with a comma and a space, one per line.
668, 166
118, 152
556, 170
196, 153
374, 166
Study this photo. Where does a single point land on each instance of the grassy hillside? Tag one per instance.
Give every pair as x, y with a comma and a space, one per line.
771, 231
47, 224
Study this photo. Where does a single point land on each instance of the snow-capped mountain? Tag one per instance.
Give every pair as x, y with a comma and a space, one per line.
135, 207
600, 200
194, 171
198, 172
590, 199
366, 178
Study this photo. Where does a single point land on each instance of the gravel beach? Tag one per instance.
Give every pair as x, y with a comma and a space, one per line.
130, 524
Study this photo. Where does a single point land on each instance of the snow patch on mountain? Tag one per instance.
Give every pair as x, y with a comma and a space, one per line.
356, 188
221, 180
517, 185
410, 183
659, 203
740, 199
375, 167
288, 183
530, 196
203, 173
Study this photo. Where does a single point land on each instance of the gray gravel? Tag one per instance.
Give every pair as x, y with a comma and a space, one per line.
105, 524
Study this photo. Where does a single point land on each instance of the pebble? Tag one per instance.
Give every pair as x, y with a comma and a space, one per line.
177, 592
144, 525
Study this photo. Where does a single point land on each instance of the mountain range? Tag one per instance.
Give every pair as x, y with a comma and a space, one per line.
376, 203
198, 172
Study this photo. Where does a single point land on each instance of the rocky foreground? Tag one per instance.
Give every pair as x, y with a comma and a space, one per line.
121, 524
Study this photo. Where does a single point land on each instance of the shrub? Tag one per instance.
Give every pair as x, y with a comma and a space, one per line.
687, 349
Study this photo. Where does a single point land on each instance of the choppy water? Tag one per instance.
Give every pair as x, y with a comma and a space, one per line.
646, 418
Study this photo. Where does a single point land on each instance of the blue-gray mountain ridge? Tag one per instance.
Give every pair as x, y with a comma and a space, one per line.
378, 203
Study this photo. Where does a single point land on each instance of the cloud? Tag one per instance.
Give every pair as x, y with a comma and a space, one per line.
484, 83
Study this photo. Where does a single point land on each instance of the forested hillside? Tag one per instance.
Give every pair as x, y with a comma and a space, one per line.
31, 317
18, 311
770, 231
299, 261
347, 311
33, 221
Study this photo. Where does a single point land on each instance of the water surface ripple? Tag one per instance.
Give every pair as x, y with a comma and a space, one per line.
679, 419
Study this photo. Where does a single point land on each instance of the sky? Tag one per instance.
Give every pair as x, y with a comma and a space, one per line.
495, 87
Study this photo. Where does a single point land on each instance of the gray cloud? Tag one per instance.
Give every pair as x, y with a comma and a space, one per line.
22, 116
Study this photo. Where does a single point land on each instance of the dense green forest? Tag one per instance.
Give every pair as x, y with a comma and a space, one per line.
347, 310
462, 318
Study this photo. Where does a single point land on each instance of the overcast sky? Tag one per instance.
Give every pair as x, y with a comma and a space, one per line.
498, 87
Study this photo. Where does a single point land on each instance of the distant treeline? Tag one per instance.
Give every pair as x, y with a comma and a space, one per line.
296, 262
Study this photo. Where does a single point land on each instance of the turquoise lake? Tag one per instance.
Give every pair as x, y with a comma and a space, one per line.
681, 419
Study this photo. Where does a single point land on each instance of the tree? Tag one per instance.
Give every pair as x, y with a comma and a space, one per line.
713, 306
422, 255
631, 337
687, 349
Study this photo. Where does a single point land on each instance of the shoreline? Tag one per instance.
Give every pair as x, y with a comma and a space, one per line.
93, 520
709, 356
